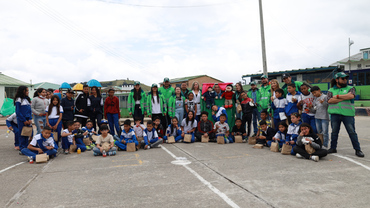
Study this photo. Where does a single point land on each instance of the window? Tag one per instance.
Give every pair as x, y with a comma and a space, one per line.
361, 78
359, 66
123, 101
354, 79
11, 91
368, 78
366, 54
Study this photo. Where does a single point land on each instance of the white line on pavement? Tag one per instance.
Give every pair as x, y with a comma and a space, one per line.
205, 182
351, 160
10, 167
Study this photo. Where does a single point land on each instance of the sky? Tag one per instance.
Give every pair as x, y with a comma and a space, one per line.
78, 40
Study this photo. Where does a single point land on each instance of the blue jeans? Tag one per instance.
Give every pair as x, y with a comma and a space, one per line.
179, 113
322, 126
53, 122
39, 121
349, 124
310, 120
113, 123
97, 150
256, 118
31, 153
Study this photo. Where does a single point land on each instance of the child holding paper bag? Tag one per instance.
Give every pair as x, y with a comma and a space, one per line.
174, 130
291, 137
188, 126
127, 136
221, 128
40, 144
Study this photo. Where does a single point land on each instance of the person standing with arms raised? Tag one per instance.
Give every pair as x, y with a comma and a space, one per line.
167, 92
137, 102
342, 109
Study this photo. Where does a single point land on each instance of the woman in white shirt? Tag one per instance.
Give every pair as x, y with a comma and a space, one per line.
197, 97
54, 114
155, 102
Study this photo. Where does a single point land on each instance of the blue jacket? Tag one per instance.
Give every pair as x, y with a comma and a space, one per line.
278, 109
68, 112
129, 136
154, 139
40, 145
23, 110
178, 132
291, 107
292, 137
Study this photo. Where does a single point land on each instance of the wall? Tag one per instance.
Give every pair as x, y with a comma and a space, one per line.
2, 95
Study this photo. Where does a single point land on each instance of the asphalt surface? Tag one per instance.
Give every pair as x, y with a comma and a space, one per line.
189, 175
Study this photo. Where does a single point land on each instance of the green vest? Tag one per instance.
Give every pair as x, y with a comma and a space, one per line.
346, 107
167, 93
161, 102
265, 96
297, 87
131, 102
258, 97
171, 108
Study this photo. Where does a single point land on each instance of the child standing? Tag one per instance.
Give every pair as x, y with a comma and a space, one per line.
150, 137
280, 136
68, 107
308, 137
238, 130
217, 111
105, 137
174, 130
320, 105
190, 104
12, 124
247, 109
188, 125
293, 98
221, 128
67, 137
266, 134
41, 143
176, 105
38, 106
278, 106
54, 113
112, 112
292, 134
24, 113
127, 136
205, 128
306, 103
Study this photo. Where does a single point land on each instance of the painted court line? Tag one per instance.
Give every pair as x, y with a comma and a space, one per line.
351, 160
205, 182
10, 167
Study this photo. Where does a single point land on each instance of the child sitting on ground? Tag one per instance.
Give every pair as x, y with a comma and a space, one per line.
266, 134
174, 130
264, 116
221, 128
238, 130
139, 129
67, 136
308, 137
127, 136
158, 127
104, 138
205, 128
79, 136
41, 143
280, 136
188, 126
150, 137
89, 131
217, 111
292, 134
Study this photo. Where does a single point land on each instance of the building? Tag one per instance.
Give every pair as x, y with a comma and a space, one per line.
46, 85
176, 82
9, 86
125, 85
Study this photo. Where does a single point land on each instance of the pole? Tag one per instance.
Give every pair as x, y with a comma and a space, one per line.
263, 40
349, 55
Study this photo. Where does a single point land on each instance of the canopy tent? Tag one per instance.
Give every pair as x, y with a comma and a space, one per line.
93, 83
78, 87
65, 85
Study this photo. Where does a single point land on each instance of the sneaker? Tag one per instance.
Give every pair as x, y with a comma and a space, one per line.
298, 155
95, 154
30, 159
332, 151
109, 153
359, 153
227, 141
315, 158
66, 152
88, 148
92, 145
180, 140
113, 153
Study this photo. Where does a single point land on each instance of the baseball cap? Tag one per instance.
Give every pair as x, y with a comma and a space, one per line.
136, 83
154, 85
263, 76
286, 75
70, 91
166, 79
340, 75
253, 83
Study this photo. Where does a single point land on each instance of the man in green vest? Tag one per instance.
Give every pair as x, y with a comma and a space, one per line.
287, 79
265, 91
167, 91
342, 109
255, 95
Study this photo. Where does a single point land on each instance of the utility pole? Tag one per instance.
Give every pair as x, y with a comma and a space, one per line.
263, 41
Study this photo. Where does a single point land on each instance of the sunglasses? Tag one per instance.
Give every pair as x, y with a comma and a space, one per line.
344, 78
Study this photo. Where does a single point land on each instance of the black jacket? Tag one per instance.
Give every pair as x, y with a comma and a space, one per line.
81, 102
67, 110
269, 133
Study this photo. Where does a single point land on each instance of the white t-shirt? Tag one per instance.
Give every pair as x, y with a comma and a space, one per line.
54, 112
196, 99
222, 128
188, 126
150, 134
70, 137
138, 130
49, 141
156, 106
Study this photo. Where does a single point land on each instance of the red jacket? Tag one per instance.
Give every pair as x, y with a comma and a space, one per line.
228, 95
111, 105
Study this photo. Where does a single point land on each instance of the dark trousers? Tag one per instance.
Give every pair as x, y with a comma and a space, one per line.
247, 118
138, 113
96, 119
349, 124
321, 152
81, 120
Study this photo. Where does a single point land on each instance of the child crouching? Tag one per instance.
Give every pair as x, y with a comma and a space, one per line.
150, 137
127, 136
174, 130
103, 141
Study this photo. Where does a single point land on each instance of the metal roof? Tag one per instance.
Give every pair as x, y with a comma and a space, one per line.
354, 58
10, 81
46, 85
294, 71
183, 79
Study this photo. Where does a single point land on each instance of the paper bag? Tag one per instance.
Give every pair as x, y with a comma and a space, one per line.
139, 139
55, 135
41, 158
94, 137
205, 139
72, 148
321, 136
86, 141
130, 147
238, 139
238, 108
282, 116
187, 138
286, 149
171, 140
274, 147
252, 140
309, 149
220, 140
106, 146
258, 146
27, 131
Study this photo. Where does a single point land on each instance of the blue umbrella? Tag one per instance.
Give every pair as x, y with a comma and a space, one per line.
65, 85
93, 83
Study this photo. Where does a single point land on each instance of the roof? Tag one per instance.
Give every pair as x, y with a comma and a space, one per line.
46, 85
184, 79
364, 49
10, 81
294, 71
120, 82
354, 58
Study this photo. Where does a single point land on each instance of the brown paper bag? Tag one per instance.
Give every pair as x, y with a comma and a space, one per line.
171, 140
26, 131
55, 135
94, 137
239, 108
205, 139
72, 148
258, 146
139, 139
238, 139
130, 147
220, 140
274, 147
106, 146
42, 158
252, 140
286, 149
86, 141
309, 149
187, 138
321, 136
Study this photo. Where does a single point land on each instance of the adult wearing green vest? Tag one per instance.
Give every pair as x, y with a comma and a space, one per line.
137, 102
155, 103
342, 109
167, 91
265, 91
255, 95
287, 79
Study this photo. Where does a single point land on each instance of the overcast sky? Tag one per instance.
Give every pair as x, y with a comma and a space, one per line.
78, 40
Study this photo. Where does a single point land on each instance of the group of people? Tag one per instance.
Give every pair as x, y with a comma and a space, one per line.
178, 113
